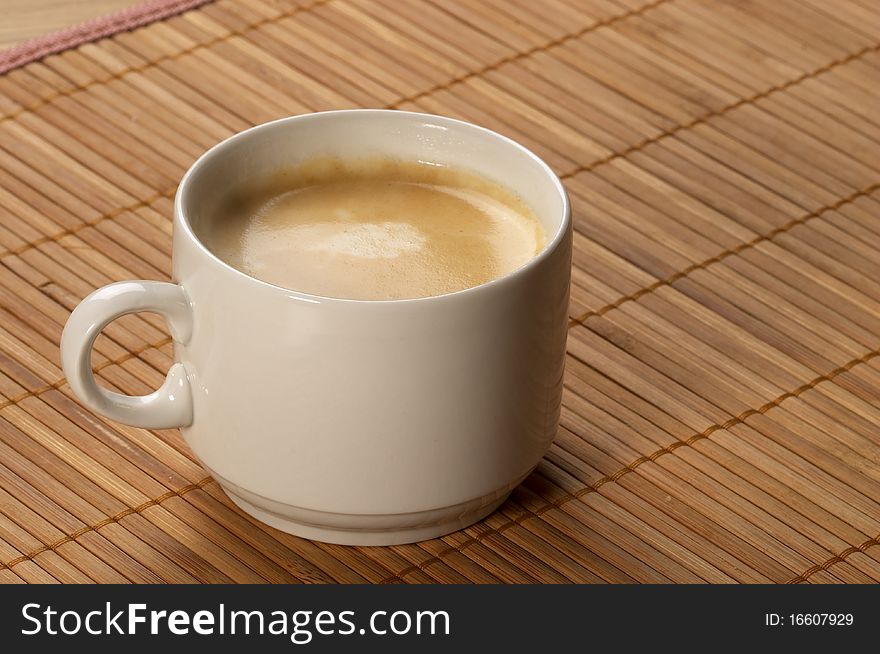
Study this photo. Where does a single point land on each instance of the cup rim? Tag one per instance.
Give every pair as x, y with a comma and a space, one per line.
182, 220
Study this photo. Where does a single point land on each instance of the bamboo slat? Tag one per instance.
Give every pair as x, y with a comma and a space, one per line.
721, 418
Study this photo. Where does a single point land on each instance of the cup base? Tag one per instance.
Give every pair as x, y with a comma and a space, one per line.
367, 534
365, 529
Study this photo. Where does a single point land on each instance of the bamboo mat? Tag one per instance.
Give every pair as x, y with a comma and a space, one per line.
722, 393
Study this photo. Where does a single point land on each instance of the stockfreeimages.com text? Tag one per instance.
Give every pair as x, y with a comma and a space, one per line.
299, 626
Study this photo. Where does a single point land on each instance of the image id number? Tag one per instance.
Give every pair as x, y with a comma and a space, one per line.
808, 619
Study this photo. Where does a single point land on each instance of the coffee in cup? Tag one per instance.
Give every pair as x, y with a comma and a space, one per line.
373, 229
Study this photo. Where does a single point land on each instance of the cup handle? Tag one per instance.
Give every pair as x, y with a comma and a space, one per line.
169, 406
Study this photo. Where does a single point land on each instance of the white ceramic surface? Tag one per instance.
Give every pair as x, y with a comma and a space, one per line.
349, 421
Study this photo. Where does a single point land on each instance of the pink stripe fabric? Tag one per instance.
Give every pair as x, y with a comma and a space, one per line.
92, 30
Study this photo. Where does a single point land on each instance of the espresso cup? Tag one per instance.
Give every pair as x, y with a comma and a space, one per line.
356, 422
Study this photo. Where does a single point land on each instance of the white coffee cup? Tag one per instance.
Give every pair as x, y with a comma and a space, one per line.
352, 421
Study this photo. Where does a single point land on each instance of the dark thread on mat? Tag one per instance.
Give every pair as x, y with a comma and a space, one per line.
155, 62
594, 486
668, 281
69, 538
605, 22
718, 112
837, 558
54, 386
140, 204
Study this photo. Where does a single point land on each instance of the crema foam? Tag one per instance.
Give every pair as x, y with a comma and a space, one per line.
374, 229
